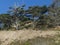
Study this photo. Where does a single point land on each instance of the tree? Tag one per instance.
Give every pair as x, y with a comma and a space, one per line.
36, 11
6, 19
54, 13
16, 13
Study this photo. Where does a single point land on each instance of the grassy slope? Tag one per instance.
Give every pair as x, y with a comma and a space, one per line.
9, 36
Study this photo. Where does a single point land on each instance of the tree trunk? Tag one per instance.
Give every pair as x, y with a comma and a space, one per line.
33, 23
17, 24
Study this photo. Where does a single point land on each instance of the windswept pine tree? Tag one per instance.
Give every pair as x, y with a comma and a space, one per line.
6, 20
36, 11
16, 12
53, 12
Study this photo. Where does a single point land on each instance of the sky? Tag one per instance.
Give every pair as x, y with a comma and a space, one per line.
5, 4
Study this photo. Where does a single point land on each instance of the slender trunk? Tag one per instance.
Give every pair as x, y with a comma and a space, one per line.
33, 23
17, 24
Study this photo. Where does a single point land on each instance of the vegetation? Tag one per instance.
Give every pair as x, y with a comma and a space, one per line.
41, 17
55, 40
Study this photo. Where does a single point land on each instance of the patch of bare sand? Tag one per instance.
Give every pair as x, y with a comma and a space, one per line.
9, 36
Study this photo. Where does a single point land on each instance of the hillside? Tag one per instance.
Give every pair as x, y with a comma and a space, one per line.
23, 35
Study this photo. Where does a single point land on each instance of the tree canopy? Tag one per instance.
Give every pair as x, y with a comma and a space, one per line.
41, 16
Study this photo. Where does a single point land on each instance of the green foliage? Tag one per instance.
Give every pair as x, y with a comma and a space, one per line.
24, 18
27, 43
6, 20
0, 42
16, 42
